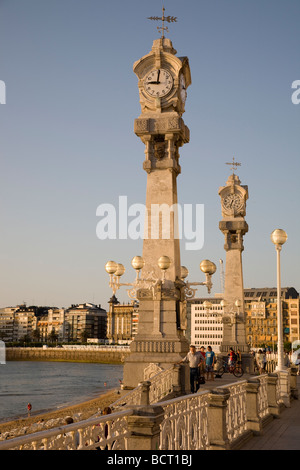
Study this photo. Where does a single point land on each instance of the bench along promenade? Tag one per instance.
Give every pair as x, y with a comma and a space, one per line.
224, 414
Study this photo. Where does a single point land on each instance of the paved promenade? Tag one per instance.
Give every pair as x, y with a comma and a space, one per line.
282, 433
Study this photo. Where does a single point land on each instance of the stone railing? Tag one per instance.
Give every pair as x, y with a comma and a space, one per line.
106, 432
218, 419
158, 387
185, 423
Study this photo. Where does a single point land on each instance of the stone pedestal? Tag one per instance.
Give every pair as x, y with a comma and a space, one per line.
144, 428
159, 339
217, 430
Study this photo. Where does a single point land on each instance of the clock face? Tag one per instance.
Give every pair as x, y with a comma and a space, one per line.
158, 83
182, 88
233, 202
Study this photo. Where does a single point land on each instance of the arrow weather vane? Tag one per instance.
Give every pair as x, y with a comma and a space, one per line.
163, 18
234, 165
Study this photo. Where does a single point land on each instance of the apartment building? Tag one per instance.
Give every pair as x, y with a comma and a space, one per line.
261, 318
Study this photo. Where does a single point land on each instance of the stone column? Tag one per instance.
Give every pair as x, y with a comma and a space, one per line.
145, 393
254, 422
284, 378
178, 387
273, 404
144, 428
217, 430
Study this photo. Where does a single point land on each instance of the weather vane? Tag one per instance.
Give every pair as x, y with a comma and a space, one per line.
163, 18
233, 164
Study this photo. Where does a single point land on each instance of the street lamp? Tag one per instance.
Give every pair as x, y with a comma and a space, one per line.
150, 280
116, 270
279, 237
208, 268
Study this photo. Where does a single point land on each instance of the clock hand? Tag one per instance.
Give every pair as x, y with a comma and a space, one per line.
158, 74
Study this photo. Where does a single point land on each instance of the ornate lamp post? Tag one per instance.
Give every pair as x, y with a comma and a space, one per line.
208, 268
150, 281
279, 237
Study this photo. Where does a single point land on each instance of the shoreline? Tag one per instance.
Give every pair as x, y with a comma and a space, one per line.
84, 355
78, 412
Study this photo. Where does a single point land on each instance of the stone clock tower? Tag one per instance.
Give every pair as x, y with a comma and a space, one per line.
163, 79
234, 227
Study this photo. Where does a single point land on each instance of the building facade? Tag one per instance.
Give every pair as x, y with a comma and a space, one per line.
74, 324
52, 325
18, 323
122, 321
204, 327
84, 321
206, 324
261, 310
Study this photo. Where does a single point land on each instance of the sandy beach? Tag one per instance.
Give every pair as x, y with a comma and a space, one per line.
78, 412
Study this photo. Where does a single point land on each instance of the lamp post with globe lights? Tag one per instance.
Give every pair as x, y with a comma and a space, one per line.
279, 237
116, 270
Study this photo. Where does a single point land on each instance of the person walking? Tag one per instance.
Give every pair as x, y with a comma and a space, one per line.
239, 357
202, 365
231, 357
264, 360
210, 360
194, 359
286, 359
260, 361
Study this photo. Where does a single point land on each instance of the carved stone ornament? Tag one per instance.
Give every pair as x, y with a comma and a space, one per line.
151, 370
159, 150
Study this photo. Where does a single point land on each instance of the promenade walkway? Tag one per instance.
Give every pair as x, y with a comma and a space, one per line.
282, 433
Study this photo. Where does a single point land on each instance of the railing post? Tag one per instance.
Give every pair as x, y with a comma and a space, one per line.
145, 393
144, 428
217, 426
254, 422
273, 404
176, 380
284, 377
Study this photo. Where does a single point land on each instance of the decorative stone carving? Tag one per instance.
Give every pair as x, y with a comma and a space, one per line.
151, 370
160, 150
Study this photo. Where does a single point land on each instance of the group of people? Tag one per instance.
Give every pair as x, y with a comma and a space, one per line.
200, 362
260, 359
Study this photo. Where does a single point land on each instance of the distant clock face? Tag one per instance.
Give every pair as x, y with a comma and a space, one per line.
158, 83
233, 202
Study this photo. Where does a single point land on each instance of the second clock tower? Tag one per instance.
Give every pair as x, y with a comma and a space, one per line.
234, 227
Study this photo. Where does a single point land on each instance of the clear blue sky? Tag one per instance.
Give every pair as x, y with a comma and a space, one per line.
67, 140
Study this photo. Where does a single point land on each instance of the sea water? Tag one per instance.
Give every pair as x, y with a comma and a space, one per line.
51, 385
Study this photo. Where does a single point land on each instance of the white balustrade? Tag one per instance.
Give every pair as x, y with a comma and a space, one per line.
236, 416
105, 432
263, 406
183, 421
185, 424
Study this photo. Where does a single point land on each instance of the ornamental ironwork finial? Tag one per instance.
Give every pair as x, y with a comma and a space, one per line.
163, 18
234, 165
